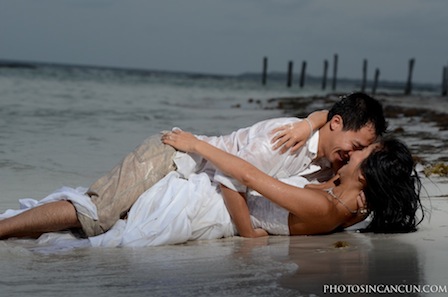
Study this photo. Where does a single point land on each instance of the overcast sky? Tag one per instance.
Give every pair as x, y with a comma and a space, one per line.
231, 36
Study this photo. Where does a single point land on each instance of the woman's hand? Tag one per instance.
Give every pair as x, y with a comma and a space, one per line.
362, 204
181, 140
291, 137
258, 232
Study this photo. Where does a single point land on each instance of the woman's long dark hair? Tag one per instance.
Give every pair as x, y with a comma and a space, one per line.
393, 188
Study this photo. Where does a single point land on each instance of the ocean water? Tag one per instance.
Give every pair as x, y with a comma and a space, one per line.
66, 126
69, 125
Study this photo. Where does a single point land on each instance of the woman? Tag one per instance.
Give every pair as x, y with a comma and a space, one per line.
384, 171
176, 210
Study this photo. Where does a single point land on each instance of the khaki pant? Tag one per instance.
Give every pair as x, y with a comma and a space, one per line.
115, 193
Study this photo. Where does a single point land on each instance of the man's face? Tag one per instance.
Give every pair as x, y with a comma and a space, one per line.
356, 158
344, 142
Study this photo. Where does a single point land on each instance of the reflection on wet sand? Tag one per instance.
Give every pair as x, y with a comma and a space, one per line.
362, 259
270, 266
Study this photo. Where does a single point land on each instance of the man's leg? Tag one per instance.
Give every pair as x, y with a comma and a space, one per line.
50, 217
116, 192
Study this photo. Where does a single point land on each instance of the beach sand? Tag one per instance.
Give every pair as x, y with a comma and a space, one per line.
271, 266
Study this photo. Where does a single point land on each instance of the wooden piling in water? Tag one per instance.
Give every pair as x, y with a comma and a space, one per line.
408, 89
375, 81
364, 75
324, 76
265, 71
302, 75
289, 80
445, 81
335, 71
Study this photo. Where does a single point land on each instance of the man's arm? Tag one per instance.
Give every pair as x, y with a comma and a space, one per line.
292, 137
238, 210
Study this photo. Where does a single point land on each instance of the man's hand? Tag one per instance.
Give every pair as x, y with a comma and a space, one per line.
291, 137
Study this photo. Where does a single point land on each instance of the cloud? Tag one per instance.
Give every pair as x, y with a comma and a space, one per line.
229, 36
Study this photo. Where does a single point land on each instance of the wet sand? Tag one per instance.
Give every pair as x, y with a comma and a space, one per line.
271, 266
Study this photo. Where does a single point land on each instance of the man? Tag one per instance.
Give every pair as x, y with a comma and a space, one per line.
353, 123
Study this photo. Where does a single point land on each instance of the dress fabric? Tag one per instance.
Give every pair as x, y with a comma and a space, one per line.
177, 210
268, 216
173, 211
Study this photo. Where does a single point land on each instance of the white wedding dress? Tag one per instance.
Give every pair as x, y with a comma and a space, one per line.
175, 210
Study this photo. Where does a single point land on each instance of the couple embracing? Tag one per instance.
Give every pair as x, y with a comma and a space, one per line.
283, 176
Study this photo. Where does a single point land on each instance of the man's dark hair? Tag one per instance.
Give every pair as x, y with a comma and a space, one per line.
357, 110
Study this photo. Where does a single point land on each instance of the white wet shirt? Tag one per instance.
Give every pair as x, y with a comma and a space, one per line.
253, 144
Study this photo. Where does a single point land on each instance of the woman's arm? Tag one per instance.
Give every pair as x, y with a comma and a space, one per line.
307, 204
238, 210
294, 136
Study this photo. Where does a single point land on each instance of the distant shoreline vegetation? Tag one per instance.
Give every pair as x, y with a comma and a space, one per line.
15, 64
276, 76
